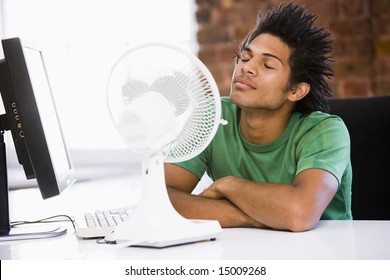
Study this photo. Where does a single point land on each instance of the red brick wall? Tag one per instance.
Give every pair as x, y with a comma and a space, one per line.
361, 29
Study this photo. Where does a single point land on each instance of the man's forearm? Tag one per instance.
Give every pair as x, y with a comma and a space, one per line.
198, 207
295, 207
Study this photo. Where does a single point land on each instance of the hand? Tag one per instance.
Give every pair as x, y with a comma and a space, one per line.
211, 192
215, 190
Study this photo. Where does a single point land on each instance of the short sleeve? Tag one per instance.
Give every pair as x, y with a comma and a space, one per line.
325, 146
197, 165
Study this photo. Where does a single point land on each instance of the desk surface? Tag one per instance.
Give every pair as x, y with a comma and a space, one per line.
329, 240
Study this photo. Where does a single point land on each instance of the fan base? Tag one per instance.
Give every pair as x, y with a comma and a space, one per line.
155, 222
191, 232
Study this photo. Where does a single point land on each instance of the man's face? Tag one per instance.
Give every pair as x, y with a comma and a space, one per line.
261, 76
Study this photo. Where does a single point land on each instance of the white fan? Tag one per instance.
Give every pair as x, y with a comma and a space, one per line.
166, 105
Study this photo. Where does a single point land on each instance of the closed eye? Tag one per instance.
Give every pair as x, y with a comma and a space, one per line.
239, 57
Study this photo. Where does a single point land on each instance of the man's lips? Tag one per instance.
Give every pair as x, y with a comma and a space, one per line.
242, 83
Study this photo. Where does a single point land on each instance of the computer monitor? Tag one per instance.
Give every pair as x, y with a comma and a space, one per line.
31, 116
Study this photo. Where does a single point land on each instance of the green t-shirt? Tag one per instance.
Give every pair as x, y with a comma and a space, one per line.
317, 140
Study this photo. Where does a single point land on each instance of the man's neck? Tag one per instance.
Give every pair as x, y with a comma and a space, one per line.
263, 127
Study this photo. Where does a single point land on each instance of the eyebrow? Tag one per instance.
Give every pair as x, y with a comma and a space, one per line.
247, 49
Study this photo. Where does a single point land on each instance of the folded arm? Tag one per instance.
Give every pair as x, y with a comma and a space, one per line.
240, 202
180, 184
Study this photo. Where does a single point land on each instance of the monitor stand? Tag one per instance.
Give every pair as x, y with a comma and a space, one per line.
5, 226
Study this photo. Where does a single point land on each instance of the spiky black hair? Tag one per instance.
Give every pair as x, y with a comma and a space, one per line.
310, 46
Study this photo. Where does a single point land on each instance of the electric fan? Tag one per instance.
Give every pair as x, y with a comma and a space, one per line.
165, 105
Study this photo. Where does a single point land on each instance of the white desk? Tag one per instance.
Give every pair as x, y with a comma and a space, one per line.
348, 240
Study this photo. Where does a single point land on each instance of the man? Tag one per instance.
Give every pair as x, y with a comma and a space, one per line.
282, 162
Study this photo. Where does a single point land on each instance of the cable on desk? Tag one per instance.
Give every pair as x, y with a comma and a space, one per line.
123, 244
51, 219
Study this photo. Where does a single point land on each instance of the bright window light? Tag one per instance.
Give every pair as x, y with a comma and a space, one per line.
82, 39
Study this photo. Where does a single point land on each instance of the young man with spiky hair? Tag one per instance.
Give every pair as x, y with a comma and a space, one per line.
282, 161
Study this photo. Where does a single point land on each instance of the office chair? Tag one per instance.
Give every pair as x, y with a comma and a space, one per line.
368, 122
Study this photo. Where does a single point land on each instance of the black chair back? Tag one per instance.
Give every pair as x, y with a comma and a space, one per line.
368, 122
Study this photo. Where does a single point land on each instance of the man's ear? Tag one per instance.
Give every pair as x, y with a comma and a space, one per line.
299, 91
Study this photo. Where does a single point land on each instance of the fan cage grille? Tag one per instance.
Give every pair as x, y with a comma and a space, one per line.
183, 80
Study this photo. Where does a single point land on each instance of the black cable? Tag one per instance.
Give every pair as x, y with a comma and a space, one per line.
45, 220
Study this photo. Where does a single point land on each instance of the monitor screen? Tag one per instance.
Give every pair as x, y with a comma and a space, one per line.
32, 118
